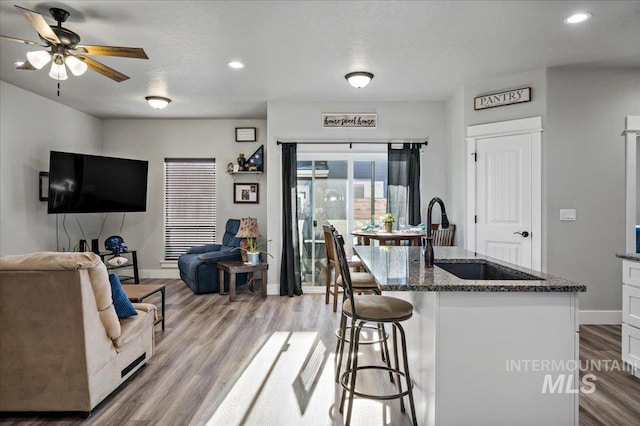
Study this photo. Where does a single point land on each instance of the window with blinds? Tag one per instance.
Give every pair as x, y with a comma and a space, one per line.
189, 204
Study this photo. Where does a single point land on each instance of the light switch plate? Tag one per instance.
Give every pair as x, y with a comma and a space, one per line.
568, 214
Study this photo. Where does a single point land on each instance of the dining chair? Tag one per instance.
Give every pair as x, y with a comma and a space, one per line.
362, 280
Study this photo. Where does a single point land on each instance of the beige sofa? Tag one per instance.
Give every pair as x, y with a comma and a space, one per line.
62, 346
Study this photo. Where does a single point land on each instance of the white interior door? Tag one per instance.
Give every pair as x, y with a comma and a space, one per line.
506, 204
503, 203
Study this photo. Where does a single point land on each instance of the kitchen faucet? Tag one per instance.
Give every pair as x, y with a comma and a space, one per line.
428, 240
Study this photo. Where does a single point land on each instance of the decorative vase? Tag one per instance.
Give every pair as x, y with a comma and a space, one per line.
241, 161
253, 258
388, 226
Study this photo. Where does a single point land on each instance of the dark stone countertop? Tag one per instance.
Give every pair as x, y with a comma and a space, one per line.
401, 268
629, 256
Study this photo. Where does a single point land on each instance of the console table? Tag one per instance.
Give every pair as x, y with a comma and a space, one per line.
133, 263
239, 267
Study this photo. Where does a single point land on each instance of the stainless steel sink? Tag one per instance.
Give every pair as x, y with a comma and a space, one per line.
484, 270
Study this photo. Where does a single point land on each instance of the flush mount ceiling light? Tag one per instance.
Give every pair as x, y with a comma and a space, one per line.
359, 79
158, 102
576, 18
235, 65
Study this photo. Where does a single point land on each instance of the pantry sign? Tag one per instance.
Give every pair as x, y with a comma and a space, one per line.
502, 98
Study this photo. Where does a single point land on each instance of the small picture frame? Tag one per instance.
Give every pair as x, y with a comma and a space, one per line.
246, 193
246, 134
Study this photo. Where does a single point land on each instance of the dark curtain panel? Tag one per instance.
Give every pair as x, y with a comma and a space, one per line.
290, 265
403, 188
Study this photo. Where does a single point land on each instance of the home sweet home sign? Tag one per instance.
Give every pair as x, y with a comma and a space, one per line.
369, 120
502, 98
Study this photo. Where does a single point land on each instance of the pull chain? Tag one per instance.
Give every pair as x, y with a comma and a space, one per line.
58, 87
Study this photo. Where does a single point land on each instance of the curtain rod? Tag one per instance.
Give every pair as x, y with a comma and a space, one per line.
359, 142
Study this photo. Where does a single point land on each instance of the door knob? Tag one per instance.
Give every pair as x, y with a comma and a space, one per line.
524, 234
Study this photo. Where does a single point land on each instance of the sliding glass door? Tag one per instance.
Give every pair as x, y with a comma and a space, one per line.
346, 193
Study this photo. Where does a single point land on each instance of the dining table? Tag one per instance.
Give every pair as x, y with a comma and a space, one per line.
395, 237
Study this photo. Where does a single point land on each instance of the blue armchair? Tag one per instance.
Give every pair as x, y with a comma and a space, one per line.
199, 265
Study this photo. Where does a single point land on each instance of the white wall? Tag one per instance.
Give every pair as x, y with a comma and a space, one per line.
536, 79
456, 166
156, 139
396, 120
31, 126
585, 170
460, 114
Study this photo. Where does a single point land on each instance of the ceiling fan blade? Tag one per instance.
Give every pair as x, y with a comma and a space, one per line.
126, 52
103, 69
26, 65
40, 25
19, 40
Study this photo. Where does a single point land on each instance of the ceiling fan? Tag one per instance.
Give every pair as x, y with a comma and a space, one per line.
65, 49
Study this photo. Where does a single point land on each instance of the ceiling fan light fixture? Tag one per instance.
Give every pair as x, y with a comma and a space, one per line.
39, 58
158, 102
76, 66
359, 79
58, 70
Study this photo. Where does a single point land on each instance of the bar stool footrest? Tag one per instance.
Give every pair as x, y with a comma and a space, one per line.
380, 339
345, 379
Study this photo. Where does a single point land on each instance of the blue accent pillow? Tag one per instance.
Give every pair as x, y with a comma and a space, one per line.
124, 308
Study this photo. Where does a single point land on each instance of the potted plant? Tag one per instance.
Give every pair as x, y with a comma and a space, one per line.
388, 220
253, 251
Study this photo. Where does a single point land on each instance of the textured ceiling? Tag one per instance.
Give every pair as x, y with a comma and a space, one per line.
301, 50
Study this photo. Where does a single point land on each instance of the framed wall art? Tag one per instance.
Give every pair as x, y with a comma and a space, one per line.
246, 193
246, 134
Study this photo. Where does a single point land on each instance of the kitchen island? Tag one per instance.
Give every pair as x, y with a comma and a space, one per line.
485, 351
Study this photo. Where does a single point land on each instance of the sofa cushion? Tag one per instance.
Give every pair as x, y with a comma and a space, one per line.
50, 261
124, 308
133, 326
230, 230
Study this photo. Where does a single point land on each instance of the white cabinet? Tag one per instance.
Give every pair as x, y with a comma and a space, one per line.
631, 314
631, 273
631, 305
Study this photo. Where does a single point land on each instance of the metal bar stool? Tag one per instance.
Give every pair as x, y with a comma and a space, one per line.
361, 282
379, 309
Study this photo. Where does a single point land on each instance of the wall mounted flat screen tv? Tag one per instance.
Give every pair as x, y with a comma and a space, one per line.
80, 183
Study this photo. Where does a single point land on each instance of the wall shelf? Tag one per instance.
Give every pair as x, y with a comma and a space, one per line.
246, 173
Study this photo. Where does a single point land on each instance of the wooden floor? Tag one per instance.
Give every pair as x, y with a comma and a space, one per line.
222, 363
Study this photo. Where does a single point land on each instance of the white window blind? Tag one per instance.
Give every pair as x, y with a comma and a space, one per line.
190, 204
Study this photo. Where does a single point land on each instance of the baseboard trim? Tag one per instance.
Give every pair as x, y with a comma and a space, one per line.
600, 317
160, 273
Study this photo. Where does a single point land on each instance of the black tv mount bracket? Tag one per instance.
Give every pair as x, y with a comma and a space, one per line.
41, 189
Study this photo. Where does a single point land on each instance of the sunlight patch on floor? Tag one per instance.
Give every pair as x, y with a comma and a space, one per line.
291, 382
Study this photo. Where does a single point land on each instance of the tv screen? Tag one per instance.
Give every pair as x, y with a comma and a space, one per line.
81, 183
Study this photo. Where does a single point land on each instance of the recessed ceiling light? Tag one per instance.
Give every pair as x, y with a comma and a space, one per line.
578, 17
235, 64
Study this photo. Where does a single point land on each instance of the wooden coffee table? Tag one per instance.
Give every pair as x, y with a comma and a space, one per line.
239, 267
138, 292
